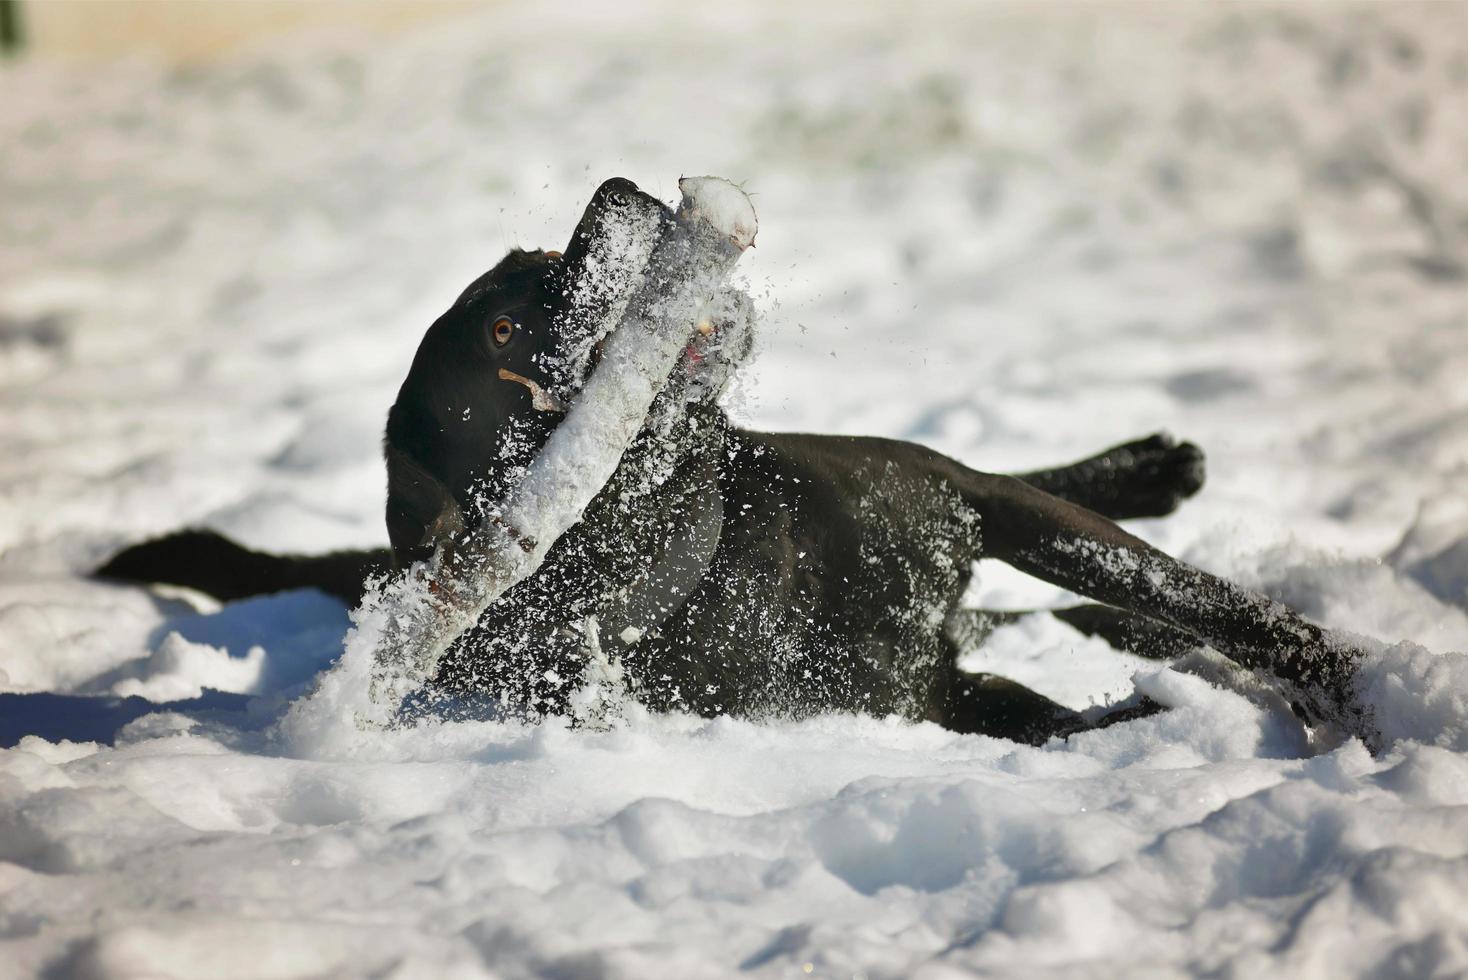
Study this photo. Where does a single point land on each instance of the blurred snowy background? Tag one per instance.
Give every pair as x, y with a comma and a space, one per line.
1015, 233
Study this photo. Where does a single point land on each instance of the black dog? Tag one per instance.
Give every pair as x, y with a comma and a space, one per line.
759, 573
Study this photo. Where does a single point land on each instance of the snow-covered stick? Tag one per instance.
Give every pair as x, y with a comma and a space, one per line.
690, 257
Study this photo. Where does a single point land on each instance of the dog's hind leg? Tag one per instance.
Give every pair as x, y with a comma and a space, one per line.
1077, 549
1129, 631
215, 565
987, 704
1144, 478
1123, 629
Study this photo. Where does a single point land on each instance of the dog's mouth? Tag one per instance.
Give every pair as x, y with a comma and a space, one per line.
697, 369
543, 399
698, 347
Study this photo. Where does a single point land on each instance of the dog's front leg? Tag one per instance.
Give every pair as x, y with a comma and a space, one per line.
1077, 549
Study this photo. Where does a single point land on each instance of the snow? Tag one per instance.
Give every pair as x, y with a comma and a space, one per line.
1015, 234
723, 205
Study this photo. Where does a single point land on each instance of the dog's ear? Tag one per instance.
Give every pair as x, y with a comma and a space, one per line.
421, 512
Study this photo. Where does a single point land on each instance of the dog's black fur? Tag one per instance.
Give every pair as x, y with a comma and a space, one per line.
761, 572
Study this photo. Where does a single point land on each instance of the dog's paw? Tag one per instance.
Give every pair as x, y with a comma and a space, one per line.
1152, 476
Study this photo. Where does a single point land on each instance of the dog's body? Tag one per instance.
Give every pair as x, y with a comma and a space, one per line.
754, 573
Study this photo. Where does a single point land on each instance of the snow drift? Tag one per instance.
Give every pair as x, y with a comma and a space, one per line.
1036, 236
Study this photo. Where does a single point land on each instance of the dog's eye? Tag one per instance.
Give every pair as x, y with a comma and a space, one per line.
502, 331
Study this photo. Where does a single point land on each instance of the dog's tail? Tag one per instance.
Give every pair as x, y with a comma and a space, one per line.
215, 565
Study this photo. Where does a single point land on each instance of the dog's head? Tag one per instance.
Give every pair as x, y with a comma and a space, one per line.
484, 389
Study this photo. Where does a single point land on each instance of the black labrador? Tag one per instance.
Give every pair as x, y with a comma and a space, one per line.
759, 573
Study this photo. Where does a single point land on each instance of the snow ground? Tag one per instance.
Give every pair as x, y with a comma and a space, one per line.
1016, 235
